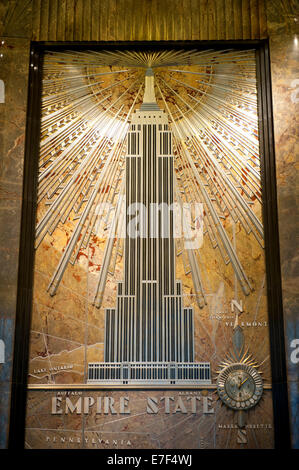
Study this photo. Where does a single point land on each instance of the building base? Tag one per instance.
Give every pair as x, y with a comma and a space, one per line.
156, 373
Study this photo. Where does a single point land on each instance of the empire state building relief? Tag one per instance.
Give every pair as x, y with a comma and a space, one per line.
149, 336
149, 234
149, 295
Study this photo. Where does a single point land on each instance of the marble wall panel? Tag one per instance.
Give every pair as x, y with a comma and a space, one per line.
14, 66
283, 29
152, 419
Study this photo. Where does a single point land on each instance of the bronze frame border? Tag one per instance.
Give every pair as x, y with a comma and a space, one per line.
270, 219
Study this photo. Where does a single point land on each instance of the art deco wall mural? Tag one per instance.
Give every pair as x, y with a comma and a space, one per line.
149, 321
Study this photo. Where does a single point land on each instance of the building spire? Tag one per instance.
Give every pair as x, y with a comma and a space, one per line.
149, 98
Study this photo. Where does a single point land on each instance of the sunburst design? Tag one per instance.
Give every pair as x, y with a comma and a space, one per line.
232, 358
237, 364
238, 354
88, 100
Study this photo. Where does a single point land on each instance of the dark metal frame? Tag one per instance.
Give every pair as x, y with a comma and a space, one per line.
270, 220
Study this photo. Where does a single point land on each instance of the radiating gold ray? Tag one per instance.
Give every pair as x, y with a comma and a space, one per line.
210, 97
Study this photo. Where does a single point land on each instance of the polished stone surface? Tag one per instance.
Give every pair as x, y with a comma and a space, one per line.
283, 29
14, 73
152, 419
